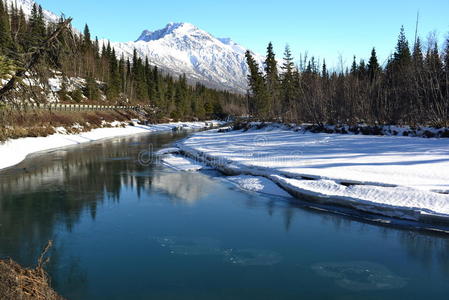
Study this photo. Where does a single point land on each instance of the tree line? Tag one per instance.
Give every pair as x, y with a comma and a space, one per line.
108, 78
412, 88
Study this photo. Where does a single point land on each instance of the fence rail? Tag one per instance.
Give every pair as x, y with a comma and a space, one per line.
76, 107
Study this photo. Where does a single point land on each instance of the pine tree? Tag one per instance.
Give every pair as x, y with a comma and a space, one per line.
271, 79
354, 67
91, 90
373, 65
37, 28
433, 60
417, 56
97, 48
87, 38
258, 104
402, 56
287, 82
19, 28
446, 73
6, 42
324, 72
446, 57
7, 68
114, 83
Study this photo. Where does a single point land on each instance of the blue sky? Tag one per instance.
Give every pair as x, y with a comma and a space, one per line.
325, 29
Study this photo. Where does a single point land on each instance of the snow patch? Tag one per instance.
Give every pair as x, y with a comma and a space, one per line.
258, 184
388, 175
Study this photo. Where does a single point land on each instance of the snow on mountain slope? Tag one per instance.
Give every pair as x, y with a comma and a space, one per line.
27, 6
184, 48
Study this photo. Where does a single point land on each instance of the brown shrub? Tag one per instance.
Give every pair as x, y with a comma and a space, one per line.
17, 124
21, 283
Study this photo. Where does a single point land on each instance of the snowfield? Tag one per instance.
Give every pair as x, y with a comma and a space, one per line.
401, 177
13, 152
182, 48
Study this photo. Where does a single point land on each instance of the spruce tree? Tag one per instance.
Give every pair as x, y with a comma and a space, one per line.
354, 66
91, 90
324, 72
114, 83
402, 55
87, 38
446, 58
271, 79
418, 57
37, 29
433, 60
258, 104
287, 82
6, 43
373, 65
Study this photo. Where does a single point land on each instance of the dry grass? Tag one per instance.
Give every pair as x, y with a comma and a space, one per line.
18, 124
18, 283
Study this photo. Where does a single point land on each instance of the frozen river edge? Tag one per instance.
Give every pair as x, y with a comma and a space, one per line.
12, 152
419, 195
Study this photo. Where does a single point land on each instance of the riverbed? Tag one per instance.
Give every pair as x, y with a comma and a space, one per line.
125, 226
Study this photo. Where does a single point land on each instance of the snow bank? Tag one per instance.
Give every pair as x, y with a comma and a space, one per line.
13, 152
408, 203
403, 177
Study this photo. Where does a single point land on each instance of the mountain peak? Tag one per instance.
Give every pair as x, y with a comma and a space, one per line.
170, 28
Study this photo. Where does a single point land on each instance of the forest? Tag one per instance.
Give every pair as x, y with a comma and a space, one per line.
411, 88
107, 78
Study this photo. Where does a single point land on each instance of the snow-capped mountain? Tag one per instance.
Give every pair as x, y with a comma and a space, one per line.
182, 48
27, 6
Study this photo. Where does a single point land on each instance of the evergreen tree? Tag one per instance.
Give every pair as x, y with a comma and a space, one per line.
418, 57
433, 60
97, 48
258, 104
287, 82
114, 83
271, 70
373, 65
402, 56
446, 57
37, 28
324, 72
6, 42
354, 67
87, 38
271, 79
91, 90
7, 68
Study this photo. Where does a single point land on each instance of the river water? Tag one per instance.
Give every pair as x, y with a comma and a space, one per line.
124, 229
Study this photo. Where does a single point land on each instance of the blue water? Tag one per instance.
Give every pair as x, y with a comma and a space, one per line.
127, 230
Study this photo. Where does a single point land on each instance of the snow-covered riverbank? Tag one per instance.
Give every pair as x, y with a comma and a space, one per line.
13, 152
400, 177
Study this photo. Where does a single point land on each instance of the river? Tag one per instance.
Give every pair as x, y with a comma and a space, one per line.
124, 228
